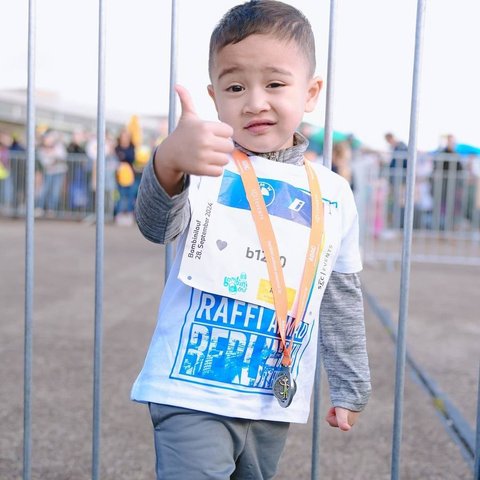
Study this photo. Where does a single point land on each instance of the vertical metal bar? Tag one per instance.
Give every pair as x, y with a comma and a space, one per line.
328, 130
29, 246
317, 417
172, 114
172, 105
407, 245
327, 161
476, 475
99, 244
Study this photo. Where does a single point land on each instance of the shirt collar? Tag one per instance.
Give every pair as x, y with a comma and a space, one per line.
293, 155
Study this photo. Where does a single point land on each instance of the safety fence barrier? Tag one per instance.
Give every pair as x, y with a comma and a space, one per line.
446, 210
393, 216
67, 192
450, 415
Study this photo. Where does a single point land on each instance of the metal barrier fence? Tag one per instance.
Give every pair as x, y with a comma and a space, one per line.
68, 194
446, 213
398, 185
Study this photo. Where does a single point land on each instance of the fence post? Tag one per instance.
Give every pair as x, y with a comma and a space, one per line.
29, 246
99, 245
169, 251
407, 245
328, 128
476, 475
327, 161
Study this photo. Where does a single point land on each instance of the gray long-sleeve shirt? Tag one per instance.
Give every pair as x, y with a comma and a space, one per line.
162, 218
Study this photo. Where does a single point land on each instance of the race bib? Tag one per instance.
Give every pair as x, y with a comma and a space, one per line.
222, 253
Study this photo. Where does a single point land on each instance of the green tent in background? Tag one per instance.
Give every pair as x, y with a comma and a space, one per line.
316, 139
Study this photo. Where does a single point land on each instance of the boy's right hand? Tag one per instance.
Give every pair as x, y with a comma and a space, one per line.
195, 147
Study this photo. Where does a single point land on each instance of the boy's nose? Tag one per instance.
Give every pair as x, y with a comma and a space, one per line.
255, 102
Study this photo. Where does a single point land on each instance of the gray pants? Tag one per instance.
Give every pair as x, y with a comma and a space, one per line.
203, 446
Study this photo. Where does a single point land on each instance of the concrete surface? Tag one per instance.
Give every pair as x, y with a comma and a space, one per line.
443, 334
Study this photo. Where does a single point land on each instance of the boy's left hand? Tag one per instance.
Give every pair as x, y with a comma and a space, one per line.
341, 418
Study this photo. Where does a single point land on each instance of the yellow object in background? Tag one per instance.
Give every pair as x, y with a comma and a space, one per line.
4, 173
135, 131
125, 175
142, 155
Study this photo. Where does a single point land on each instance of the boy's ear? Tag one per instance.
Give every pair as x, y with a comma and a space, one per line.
211, 92
314, 89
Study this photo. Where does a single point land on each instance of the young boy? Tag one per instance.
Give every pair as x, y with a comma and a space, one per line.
233, 357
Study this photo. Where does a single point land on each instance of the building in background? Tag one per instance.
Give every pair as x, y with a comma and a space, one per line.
55, 113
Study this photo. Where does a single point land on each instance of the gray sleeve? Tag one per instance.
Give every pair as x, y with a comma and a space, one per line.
343, 342
160, 218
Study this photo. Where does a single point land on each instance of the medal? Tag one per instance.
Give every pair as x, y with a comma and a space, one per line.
284, 387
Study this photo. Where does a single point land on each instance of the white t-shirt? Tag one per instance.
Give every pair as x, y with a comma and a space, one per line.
217, 352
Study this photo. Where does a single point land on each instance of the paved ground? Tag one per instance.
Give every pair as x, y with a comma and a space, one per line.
443, 334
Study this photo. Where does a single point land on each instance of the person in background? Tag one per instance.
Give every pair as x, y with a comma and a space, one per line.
448, 177
52, 156
473, 211
397, 174
342, 161
16, 146
111, 165
314, 150
398, 162
142, 156
77, 142
18, 163
125, 151
5, 175
79, 171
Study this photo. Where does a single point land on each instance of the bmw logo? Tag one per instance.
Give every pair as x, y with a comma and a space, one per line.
268, 192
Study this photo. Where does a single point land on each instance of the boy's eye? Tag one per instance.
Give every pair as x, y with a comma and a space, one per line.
275, 85
234, 88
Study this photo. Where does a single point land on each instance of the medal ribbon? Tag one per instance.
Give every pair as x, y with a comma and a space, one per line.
269, 245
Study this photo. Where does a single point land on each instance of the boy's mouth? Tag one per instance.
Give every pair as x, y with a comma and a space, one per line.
258, 126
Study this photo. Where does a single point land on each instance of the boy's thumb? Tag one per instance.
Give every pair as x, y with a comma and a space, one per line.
185, 100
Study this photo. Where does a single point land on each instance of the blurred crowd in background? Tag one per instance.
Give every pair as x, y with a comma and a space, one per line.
447, 179
65, 172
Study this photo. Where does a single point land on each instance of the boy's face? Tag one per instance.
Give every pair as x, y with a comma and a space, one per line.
261, 87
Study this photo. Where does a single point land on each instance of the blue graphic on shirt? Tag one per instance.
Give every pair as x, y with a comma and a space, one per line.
234, 344
281, 198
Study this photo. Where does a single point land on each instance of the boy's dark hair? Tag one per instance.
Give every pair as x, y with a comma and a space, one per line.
264, 17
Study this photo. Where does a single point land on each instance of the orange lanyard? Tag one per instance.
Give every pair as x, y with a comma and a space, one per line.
270, 248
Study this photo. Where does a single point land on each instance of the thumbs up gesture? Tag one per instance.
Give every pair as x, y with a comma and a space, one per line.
195, 147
